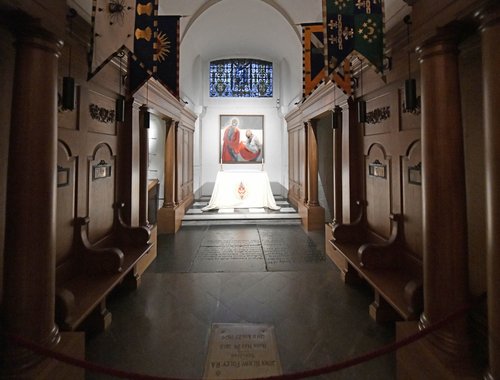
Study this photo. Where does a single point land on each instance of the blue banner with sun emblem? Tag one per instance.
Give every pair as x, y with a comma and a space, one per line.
156, 48
166, 53
141, 63
354, 27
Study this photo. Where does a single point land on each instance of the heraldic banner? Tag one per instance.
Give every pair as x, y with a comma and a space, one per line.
112, 31
354, 27
314, 57
156, 52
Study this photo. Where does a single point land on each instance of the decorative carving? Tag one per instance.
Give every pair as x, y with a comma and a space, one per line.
377, 169
62, 176
415, 174
101, 114
101, 170
378, 115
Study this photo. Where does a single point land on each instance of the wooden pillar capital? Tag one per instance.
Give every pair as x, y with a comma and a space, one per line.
489, 15
444, 42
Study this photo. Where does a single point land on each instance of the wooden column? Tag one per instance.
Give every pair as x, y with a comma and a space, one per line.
29, 282
125, 165
167, 222
176, 164
306, 163
490, 30
315, 218
144, 159
337, 172
312, 160
169, 195
444, 206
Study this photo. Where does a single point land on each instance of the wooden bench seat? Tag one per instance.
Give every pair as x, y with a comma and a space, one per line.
387, 266
84, 283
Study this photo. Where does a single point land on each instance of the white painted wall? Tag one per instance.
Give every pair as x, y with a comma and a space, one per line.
240, 29
156, 163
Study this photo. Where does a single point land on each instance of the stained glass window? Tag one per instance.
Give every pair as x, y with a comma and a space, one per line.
241, 78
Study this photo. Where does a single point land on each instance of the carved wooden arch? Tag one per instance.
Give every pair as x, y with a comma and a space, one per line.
102, 193
378, 189
66, 205
411, 202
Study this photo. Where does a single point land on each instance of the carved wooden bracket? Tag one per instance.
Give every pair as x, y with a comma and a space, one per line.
97, 259
135, 236
351, 232
383, 254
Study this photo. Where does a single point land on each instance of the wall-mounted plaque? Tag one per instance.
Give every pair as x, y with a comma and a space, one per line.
377, 169
378, 115
62, 176
102, 114
101, 170
415, 174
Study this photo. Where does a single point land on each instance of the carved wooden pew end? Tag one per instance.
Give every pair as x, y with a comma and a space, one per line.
391, 270
96, 270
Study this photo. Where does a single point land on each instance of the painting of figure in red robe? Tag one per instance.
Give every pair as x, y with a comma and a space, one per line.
241, 139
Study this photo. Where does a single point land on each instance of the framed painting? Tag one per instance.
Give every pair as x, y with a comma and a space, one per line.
241, 139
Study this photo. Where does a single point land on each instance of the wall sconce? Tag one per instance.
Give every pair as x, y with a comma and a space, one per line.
120, 108
361, 111
411, 101
68, 93
145, 116
337, 117
120, 101
68, 88
361, 104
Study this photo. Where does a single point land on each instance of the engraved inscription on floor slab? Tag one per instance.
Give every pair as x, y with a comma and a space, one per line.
279, 257
245, 258
239, 351
228, 242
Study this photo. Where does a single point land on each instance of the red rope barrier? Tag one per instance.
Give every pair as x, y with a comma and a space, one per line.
298, 375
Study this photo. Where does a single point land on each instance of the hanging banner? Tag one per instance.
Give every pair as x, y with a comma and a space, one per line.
166, 53
313, 67
354, 27
112, 31
156, 53
141, 64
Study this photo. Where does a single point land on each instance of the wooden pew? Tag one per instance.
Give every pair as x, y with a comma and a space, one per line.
95, 270
387, 266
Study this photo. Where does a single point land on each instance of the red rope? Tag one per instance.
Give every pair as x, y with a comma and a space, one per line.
298, 375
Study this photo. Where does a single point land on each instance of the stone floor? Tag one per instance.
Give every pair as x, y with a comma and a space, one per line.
273, 274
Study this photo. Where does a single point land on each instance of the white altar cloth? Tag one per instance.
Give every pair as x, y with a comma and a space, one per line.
242, 189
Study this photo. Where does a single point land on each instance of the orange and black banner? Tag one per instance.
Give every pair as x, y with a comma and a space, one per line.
313, 57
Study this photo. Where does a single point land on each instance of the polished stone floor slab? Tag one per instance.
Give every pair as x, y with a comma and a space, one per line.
242, 351
163, 327
229, 258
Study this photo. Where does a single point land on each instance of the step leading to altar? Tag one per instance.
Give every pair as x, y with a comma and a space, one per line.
286, 214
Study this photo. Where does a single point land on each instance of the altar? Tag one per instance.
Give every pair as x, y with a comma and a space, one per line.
241, 189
